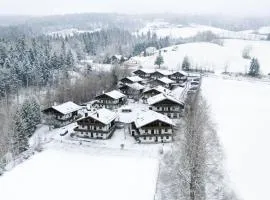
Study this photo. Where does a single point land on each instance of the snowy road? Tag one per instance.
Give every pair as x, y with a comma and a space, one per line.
241, 110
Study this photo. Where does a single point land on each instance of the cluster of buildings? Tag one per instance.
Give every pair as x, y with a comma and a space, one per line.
146, 104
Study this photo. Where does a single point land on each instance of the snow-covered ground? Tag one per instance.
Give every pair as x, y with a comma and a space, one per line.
213, 56
241, 110
72, 174
164, 29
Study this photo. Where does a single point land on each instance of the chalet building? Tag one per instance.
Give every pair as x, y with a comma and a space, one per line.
152, 127
179, 77
131, 80
66, 112
144, 73
118, 59
111, 100
132, 90
166, 105
160, 74
164, 82
98, 125
150, 92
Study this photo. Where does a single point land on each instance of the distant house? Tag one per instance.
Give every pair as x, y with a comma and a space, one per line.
167, 105
111, 100
150, 51
65, 112
118, 59
133, 90
152, 127
161, 73
179, 77
131, 79
164, 82
150, 92
98, 125
144, 73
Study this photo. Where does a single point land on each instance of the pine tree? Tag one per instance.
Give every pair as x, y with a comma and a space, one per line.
19, 138
254, 67
268, 36
70, 60
35, 109
159, 60
186, 64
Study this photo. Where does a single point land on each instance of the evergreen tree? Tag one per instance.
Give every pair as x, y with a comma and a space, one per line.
20, 139
159, 60
254, 68
268, 36
70, 62
186, 64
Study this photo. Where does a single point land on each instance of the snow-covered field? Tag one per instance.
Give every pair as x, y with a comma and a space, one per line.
164, 29
213, 56
72, 174
241, 110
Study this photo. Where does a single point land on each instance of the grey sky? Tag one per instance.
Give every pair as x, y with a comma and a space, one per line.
47, 7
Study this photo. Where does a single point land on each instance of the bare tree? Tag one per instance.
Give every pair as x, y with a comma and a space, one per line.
194, 170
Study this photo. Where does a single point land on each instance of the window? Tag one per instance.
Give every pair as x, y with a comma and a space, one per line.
150, 138
144, 138
162, 137
146, 130
152, 131
157, 108
167, 137
166, 130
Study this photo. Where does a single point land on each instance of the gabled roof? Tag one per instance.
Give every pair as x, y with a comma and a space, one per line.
164, 72
134, 78
166, 80
136, 86
103, 115
113, 94
147, 71
161, 97
181, 72
159, 89
178, 93
150, 116
67, 107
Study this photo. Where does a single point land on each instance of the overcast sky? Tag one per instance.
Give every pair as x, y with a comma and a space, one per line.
48, 7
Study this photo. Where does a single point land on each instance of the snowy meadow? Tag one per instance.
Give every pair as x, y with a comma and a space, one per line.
241, 110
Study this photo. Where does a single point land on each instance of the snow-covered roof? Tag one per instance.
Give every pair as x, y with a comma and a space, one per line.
150, 116
159, 89
166, 80
67, 107
178, 93
136, 86
114, 94
103, 115
181, 72
147, 71
164, 72
119, 57
160, 97
134, 78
